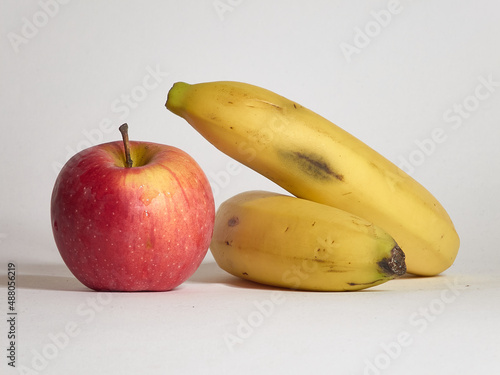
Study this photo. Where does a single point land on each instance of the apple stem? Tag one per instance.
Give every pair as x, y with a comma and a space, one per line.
124, 130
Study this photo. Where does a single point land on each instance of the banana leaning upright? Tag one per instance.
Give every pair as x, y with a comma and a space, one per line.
301, 244
315, 159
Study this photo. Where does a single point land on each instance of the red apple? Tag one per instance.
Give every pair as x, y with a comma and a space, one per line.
144, 227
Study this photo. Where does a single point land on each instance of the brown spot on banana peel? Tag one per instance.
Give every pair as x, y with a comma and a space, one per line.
333, 270
319, 260
233, 221
395, 265
311, 164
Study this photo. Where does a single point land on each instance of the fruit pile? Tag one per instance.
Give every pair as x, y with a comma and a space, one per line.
352, 220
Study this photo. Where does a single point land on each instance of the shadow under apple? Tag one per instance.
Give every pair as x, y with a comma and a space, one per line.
45, 277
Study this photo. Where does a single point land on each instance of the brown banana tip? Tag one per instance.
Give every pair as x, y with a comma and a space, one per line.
395, 265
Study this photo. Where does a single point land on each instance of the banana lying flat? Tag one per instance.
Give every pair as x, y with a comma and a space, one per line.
294, 243
314, 159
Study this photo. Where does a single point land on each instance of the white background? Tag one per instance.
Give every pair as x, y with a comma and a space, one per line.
67, 68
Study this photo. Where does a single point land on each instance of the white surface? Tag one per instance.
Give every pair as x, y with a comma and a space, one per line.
71, 77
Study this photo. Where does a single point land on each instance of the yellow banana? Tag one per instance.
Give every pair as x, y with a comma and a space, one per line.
315, 159
295, 243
